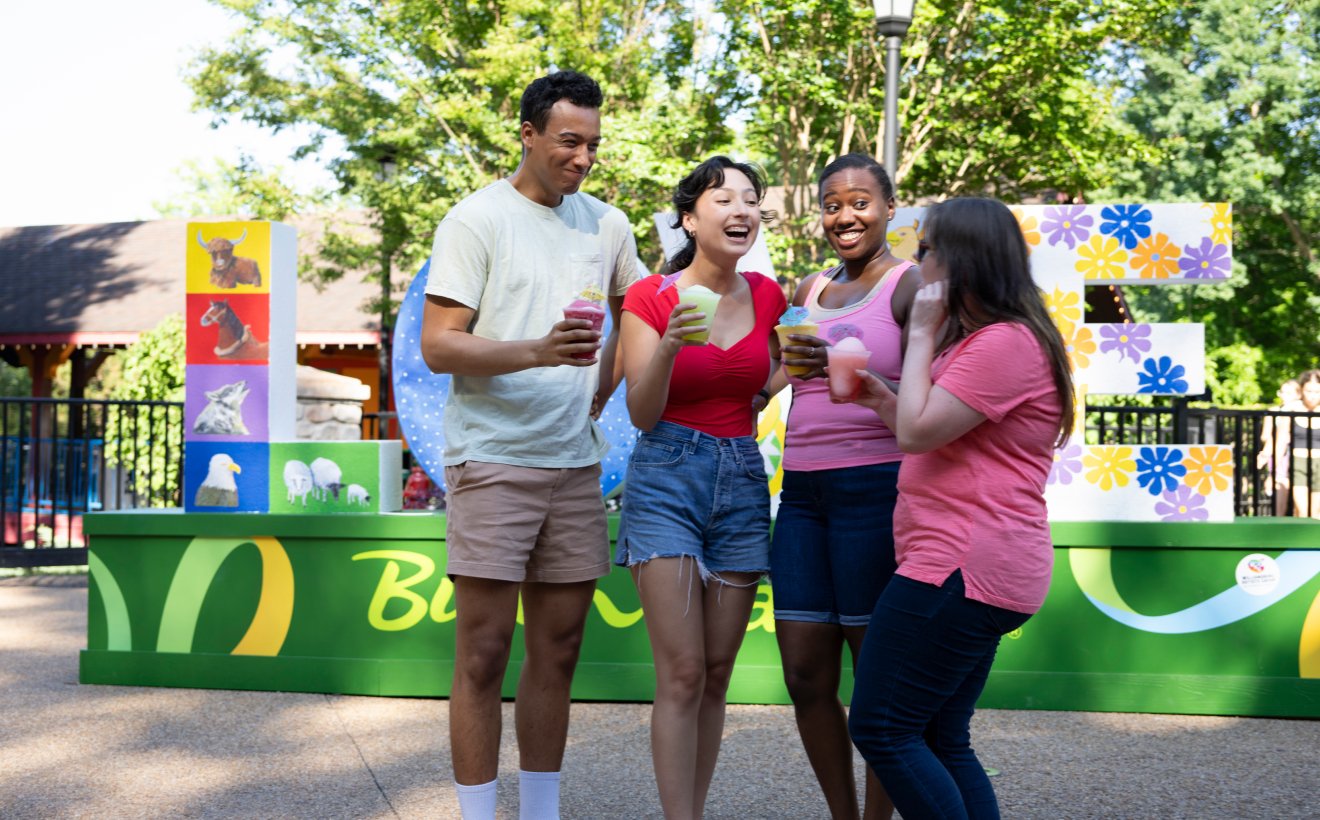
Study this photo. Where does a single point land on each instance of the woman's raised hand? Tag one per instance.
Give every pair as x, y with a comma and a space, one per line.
930, 308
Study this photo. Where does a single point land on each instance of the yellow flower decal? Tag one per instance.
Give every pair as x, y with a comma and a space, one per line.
1156, 257
1109, 467
1101, 258
1080, 344
1065, 309
1208, 469
1221, 222
1030, 228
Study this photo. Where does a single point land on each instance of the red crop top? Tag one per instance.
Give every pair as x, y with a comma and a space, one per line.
711, 388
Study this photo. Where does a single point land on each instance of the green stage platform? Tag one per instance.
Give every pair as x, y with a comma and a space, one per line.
1186, 618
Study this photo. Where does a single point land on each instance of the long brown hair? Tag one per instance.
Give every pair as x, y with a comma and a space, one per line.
981, 247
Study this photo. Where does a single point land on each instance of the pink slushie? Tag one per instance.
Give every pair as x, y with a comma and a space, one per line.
592, 312
846, 357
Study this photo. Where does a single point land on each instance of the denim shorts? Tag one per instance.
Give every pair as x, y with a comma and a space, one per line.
833, 550
688, 493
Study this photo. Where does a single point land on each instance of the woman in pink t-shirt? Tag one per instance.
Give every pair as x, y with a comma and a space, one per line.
985, 396
695, 528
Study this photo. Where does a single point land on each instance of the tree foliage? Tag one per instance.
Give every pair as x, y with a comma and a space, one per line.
1232, 112
996, 97
435, 87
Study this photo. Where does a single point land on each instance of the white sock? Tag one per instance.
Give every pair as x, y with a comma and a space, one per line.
477, 802
538, 795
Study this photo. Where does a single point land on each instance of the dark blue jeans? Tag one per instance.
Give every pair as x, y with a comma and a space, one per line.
924, 662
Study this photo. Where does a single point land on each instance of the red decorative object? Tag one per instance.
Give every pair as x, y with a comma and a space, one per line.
417, 490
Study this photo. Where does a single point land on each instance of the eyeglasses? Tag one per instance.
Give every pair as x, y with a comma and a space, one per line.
922, 250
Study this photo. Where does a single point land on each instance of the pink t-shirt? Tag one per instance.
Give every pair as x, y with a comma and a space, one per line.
710, 388
823, 435
977, 503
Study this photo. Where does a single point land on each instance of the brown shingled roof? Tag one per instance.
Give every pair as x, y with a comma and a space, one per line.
124, 277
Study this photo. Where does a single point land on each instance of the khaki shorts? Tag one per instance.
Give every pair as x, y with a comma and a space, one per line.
511, 523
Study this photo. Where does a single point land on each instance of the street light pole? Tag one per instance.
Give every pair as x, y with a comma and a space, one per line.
892, 19
388, 167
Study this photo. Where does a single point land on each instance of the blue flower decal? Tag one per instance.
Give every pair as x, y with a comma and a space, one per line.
1161, 376
1160, 469
1129, 224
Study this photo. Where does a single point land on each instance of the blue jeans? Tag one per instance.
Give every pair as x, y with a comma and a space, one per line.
692, 494
924, 662
833, 547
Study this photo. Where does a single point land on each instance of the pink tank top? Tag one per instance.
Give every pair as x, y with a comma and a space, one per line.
825, 436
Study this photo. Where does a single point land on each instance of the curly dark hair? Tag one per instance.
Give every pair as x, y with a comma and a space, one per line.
707, 175
543, 93
863, 162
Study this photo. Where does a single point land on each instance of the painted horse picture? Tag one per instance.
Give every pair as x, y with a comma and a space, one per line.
235, 339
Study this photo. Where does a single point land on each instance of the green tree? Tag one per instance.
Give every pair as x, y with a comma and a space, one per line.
1002, 97
241, 189
1231, 110
147, 442
431, 90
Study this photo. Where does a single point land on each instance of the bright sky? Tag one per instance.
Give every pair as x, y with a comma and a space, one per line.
97, 119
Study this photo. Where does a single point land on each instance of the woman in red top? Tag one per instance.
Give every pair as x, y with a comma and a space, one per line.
695, 528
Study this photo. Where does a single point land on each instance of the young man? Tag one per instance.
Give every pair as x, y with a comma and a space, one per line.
522, 449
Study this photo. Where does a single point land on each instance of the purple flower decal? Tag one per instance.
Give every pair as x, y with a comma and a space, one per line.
1067, 463
1160, 469
1210, 261
1129, 340
1068, 224
1182, 503
1129, 224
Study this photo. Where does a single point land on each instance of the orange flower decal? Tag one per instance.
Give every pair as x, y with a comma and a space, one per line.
1030, 228
1156, 257
1208, 469
1080, 344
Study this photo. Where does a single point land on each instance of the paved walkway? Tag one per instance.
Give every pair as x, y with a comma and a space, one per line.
68, 750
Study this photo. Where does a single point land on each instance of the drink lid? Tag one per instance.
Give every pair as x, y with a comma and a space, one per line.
794, 316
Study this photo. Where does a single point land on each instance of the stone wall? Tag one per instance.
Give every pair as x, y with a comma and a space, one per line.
329, 406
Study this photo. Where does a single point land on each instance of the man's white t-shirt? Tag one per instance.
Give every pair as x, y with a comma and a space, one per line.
518, 264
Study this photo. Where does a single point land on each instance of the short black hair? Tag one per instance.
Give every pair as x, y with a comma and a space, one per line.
543, 93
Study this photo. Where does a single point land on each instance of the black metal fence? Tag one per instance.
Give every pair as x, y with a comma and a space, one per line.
1272, 449
61, 458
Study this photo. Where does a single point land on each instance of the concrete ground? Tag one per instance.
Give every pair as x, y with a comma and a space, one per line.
68, 750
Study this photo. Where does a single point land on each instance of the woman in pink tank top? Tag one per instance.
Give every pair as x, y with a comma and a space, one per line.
833, 548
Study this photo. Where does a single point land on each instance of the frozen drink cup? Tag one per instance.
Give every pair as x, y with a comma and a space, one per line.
847, 356
587, 306
794, 320
707, 301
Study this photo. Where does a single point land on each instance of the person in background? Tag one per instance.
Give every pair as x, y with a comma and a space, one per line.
986, 394
522, 448
1276, 446
695, 528
1305, 469
833, 547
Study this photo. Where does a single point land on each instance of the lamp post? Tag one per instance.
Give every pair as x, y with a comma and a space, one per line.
388, 167
892, 18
